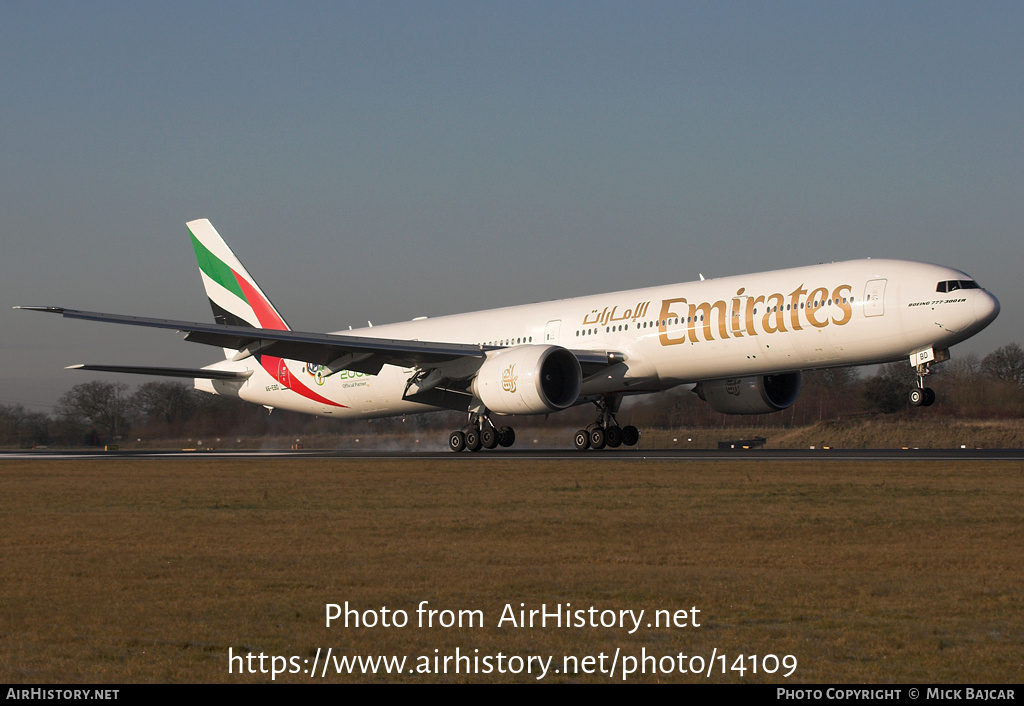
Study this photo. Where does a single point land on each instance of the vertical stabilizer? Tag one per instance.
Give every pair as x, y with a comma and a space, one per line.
235, 297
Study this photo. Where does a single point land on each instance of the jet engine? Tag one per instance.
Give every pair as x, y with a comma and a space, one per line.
751, 395
528, 380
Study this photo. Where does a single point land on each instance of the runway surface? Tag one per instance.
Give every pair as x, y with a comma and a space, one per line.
624, 455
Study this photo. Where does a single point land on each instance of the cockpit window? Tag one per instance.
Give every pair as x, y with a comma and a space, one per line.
951, 285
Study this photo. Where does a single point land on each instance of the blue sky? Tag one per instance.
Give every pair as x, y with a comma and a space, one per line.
388, 160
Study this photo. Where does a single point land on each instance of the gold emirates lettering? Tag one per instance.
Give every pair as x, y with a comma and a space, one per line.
607, 316
710, 321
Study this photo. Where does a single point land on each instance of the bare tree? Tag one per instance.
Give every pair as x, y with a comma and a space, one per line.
961, 371
828, 393
19, 427
167, 402
1005, 364
103, 405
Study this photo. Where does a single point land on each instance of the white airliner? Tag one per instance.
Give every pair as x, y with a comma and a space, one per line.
742, 341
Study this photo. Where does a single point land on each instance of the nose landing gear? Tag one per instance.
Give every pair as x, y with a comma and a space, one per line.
922, 396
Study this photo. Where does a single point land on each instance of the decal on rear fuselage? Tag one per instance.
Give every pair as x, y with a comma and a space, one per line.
319, 374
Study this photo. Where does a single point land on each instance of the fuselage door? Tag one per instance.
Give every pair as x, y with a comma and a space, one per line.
874, 297
551, 332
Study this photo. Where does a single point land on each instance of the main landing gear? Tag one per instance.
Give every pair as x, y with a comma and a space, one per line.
606, 430
481, 433
922, 396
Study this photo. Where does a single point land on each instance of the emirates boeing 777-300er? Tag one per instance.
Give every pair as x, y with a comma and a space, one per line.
742, 342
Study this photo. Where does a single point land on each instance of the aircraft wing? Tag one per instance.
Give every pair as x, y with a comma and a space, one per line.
359, 353
338, 351
202, 373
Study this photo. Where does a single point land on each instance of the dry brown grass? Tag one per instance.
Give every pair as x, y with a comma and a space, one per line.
149, 570
883, 432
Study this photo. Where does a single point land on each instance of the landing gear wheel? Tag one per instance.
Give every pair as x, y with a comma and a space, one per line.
488, 437
472, 439
597, 438
582, 440
630, 435
506, 436
923, 396
457, 441
613, 437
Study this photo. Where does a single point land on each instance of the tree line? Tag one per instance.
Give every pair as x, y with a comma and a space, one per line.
96, 412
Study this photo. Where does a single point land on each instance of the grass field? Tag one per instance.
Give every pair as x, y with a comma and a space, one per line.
151, 570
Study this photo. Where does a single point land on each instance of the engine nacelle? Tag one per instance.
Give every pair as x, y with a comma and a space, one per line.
753, 395
528, 380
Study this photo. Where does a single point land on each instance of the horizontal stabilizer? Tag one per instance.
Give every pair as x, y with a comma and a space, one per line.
200, 373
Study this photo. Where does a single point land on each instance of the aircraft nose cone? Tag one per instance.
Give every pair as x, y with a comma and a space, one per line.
986, 309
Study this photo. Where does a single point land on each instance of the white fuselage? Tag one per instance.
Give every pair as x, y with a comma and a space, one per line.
839, 314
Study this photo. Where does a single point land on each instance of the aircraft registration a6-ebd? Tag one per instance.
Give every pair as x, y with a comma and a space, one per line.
741, 341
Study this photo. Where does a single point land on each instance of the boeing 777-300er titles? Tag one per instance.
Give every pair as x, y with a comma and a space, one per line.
742, 342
